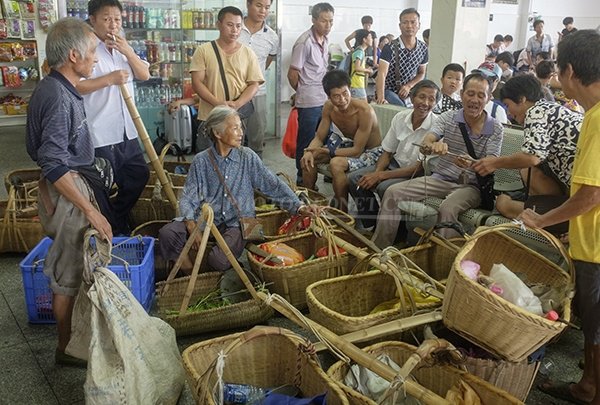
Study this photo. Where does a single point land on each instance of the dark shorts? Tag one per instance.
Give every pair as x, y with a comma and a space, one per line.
545, 168
587, 299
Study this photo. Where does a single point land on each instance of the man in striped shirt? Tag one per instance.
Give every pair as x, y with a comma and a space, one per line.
452, 178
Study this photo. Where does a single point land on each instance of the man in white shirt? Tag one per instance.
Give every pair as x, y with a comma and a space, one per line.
400, 158
265, 43
111, 126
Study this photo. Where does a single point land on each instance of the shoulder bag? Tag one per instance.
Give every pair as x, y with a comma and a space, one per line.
252, 228
247, 109
485, 183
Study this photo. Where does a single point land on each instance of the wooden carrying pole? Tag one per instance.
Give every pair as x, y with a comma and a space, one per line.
143, 134
359, 356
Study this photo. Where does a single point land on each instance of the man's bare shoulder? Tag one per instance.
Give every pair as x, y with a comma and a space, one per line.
365, 110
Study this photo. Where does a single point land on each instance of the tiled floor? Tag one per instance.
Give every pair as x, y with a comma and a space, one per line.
27, 371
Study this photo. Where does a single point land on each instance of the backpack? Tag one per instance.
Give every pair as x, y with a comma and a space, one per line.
346, 63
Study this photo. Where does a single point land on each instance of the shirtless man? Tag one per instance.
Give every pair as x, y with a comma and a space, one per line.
348, 137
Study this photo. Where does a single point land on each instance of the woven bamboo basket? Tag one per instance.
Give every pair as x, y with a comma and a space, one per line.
436, 260
344, 304
514, 378
18, 235
271, 221
489, 321
239, 315
20, 176
264, 357
291, 281
436, 378
178, 180
149, 208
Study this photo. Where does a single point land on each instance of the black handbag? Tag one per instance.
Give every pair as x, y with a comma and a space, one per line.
247, 109
485, 183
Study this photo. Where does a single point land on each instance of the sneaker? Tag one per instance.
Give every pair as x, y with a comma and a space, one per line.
64, 359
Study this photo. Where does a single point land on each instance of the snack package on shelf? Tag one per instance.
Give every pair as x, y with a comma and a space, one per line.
28, 29
14, 28
3, 29
27, 9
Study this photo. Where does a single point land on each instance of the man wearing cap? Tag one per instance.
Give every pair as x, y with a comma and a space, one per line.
493, 73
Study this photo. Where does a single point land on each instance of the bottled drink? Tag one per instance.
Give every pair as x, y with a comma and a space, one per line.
141, 16
124, 17
242, 394
134, 16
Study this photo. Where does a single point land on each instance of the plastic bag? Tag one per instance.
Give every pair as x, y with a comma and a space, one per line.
288, 146
287, 254
515, 290
132, 357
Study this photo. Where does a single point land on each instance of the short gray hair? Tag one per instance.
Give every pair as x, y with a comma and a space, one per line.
216, 120
65, 35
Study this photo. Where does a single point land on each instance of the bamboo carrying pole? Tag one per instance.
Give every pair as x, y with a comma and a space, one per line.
143, 134
383, 329
359, 356
355, 353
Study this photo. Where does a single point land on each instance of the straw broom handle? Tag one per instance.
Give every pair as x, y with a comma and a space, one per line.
376, 331
359, 356
143, 134
375, 261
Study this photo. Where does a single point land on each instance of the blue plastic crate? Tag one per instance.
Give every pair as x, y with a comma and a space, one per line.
133, 263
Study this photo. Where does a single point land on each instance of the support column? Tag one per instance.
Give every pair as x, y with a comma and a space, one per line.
458, 35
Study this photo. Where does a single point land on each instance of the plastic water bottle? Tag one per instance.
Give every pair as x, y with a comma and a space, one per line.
243, 394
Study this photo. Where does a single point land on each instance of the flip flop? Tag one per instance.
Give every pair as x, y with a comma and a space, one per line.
560, 390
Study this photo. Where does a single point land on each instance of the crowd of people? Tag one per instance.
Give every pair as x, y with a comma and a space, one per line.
84, 139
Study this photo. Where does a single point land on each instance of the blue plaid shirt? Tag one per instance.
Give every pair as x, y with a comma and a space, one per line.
243, 171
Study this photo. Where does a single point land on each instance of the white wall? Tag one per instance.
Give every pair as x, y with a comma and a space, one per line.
508, 19
296, 19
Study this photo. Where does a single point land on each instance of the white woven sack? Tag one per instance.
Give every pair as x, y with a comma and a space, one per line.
132, 357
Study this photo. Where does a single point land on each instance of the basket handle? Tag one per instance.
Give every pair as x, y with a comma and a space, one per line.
288, 180
431, 236
256, 332
481, 231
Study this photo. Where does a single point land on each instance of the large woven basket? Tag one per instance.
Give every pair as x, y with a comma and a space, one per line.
291, 281
271, 221
434, 259
436, 378
18, 234
150, 208
239, 315
514, 378
491, 322
20, 176
264, 357
344, 304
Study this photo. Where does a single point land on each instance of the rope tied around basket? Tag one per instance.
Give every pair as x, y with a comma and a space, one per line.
390, 395
270, 298
220, 366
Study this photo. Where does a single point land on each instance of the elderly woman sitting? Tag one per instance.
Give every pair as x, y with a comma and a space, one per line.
242, 171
